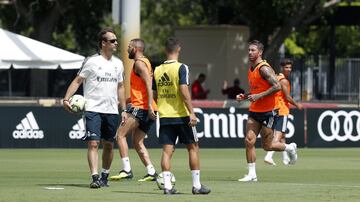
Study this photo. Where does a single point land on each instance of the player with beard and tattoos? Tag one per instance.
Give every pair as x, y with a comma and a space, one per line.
263, 111
140, 113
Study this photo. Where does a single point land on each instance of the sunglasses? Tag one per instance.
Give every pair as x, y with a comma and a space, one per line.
111, 40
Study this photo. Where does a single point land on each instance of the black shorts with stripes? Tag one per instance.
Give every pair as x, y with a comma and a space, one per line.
142, 117
265, 118
281, 123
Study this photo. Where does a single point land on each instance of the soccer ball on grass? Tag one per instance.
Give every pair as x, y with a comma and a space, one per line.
77, 103
160, 180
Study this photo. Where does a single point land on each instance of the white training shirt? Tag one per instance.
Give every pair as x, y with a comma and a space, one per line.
101, 83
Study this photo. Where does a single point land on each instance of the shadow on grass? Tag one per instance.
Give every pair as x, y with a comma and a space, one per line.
152, 193
65, 185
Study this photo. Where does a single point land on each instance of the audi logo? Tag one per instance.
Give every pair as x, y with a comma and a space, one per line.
335, 126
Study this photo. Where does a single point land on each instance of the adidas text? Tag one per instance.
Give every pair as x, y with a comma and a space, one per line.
165, 83
30, 134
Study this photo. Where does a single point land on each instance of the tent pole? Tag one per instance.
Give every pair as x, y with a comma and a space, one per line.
10, 82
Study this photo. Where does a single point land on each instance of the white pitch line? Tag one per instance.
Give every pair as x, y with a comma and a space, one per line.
54, 188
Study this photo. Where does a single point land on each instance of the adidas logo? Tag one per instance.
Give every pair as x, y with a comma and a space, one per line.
78, 130
165, 80
28, 128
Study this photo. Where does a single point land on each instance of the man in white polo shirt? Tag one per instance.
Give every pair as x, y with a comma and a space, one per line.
102, 77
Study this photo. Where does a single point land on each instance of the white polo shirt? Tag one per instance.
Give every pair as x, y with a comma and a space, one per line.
101, 83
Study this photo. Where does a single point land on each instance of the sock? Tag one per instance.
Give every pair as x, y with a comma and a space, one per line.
105, 171
269, 154
126, 164
167, 180
252, 170
288, 147
104, 174
196, 178
285, 155
150, 169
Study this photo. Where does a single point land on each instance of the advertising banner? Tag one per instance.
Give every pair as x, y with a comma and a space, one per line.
333, 127
53, 127
227, 127
40, 127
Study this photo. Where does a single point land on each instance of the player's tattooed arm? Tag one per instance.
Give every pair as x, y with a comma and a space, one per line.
268, 74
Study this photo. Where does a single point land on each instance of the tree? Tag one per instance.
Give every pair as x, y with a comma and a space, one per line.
311, 41
271, 21
72, 25
160, 18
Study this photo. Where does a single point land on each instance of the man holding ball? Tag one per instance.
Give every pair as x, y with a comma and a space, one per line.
102, 76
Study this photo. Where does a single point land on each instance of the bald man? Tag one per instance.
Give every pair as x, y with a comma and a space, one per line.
140, 113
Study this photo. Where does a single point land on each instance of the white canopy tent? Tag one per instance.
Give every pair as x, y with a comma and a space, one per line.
22, 52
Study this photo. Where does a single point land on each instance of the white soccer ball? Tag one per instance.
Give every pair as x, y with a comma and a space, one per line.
77, 103
160, 181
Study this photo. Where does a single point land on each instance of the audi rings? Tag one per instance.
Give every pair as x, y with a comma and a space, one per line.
348, 126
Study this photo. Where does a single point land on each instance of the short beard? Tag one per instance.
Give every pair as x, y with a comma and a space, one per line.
132, 54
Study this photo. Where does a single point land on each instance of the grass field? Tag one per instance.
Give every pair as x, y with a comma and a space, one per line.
319, 175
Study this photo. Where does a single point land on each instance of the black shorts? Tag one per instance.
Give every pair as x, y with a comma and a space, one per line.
142, 117
169, 133
281, 123
265, 118
100, 126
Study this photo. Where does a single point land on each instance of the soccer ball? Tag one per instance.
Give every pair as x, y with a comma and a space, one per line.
160, 180
77, 103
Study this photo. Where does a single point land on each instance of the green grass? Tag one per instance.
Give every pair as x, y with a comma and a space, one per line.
319, 175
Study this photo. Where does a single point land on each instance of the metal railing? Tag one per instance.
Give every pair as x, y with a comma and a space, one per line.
309, 79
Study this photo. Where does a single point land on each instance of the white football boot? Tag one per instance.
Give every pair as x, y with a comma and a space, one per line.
248, 178
293, 154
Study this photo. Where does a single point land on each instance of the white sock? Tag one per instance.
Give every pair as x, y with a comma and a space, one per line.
269, 154
285, 155
126, 164
105, 171
196, 178
167, 180
288, 147
150, 169
94, 173
252, 170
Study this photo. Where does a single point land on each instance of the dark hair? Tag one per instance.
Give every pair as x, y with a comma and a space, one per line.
236, 81
202, 75
286, 61
258, 44
101, 34
172, 44
139, 43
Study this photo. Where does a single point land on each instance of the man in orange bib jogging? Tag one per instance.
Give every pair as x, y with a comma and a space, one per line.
262, 112
284, 100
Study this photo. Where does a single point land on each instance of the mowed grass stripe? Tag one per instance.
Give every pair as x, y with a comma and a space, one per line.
319, 175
